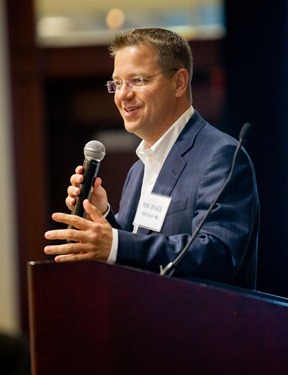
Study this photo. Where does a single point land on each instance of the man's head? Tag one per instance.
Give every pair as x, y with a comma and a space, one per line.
151, 80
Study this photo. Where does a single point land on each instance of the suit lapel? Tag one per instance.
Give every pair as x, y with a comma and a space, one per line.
175, 163
130, 199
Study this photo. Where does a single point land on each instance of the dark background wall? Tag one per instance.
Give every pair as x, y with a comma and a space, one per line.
256, 63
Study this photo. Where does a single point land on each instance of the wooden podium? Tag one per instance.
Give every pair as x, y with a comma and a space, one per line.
94, 318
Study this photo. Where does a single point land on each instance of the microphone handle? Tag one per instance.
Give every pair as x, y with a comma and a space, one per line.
91, 168
170, 268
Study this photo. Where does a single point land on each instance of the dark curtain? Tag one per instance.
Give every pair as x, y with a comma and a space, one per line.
256, 59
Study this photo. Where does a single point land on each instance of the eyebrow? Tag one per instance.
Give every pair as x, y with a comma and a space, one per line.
130, 76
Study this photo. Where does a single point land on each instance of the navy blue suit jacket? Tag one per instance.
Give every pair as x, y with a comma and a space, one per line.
194, 172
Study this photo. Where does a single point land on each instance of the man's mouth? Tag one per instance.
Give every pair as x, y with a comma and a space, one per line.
131, 109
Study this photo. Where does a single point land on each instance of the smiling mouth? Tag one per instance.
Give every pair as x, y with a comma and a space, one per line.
129, 110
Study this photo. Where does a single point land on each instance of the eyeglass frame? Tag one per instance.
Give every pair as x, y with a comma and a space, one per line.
132, 85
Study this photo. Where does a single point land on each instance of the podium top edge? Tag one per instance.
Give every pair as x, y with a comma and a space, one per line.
201, 283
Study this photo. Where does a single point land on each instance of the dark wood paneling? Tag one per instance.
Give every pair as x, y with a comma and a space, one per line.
69, 62
29, 140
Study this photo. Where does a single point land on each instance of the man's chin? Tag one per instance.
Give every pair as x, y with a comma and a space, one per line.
130, 127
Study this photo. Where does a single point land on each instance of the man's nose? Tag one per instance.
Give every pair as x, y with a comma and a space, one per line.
125, 90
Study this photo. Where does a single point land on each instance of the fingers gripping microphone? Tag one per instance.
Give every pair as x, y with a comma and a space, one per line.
94, 152
243, 137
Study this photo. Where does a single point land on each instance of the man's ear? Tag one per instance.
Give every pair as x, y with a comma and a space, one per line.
182, 81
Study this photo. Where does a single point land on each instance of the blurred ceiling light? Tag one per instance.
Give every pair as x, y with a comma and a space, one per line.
54, 26
115, 18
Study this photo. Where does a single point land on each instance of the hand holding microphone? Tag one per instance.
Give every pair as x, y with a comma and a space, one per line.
84, 179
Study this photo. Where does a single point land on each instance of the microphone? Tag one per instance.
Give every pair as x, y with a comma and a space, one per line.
245, 132
94, 152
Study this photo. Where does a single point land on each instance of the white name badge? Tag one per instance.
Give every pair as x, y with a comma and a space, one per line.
151, 211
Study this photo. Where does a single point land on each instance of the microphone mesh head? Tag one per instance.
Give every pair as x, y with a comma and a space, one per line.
94, 150
245, 132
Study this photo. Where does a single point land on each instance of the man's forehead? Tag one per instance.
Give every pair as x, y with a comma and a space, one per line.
134, 58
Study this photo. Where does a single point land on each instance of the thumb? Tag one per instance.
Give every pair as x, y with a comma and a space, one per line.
91, 210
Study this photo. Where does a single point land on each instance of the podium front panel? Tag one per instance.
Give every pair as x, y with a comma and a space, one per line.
94, 318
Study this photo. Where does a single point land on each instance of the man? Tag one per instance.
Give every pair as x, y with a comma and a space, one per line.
183, 164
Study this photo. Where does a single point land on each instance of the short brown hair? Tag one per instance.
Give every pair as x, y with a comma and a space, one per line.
172, 50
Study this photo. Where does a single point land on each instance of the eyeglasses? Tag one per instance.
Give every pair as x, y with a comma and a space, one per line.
135, 82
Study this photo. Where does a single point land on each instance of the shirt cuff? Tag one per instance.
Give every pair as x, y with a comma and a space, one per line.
114, 248
107, 211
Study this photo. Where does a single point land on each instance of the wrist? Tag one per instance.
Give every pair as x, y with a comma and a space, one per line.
105, 213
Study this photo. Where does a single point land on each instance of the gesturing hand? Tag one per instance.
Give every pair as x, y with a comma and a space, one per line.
90, 240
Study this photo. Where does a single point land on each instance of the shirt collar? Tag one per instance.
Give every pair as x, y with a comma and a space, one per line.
161, 148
